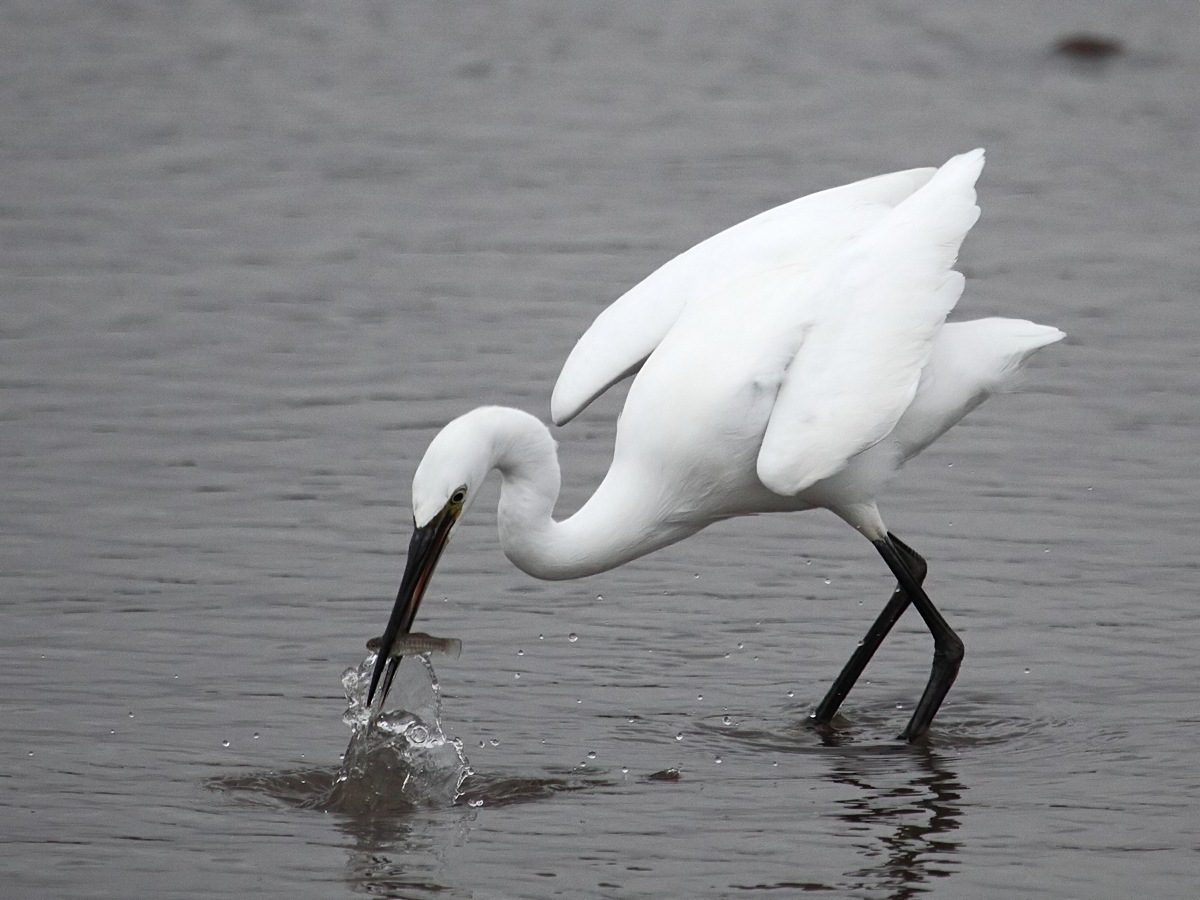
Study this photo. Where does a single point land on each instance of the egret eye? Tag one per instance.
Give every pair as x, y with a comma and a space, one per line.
459, 496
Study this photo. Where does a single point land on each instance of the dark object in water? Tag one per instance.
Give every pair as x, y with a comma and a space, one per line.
671, 774
1084, 46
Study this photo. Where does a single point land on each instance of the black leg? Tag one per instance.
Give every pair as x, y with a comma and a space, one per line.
947, 646
854, 667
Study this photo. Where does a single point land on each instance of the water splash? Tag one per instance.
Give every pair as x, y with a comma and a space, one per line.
398, 755
398, 760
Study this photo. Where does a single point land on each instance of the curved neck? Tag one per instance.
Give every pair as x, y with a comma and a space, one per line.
621, 521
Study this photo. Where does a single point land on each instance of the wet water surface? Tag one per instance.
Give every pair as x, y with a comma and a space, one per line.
253, 255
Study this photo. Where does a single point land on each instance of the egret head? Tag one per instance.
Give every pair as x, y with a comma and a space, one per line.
445, 484
458, 460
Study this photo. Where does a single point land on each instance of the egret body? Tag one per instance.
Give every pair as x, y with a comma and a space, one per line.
791, 362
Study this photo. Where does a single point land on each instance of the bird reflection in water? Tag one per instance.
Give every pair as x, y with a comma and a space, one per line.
910, 815
897, 806
404, 856
898, 810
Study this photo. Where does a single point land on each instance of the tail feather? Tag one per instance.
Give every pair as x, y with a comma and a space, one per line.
970, 362
1013, 341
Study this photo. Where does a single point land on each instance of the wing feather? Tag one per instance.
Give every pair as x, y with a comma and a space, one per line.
800, 234
876, 307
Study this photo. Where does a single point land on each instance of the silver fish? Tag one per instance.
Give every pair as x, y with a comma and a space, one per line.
418, 642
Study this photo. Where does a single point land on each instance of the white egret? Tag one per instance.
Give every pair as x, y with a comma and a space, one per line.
794, 361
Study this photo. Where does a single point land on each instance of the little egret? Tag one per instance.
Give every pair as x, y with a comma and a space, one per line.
793, 361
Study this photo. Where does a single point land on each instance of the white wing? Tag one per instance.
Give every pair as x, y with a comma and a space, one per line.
801, 235
876, 307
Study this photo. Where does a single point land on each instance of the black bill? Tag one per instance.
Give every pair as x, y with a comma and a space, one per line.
424, 550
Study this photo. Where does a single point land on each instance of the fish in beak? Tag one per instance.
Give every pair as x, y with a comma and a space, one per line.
424, 550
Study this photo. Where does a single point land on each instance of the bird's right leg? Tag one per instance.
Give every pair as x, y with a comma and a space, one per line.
866, 648
947, 646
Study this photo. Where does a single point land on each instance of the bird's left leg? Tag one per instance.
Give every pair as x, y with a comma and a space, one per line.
866, 648
947, 646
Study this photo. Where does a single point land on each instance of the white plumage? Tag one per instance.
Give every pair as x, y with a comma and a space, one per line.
793, 361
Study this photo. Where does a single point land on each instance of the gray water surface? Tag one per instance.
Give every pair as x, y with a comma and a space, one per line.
253, 255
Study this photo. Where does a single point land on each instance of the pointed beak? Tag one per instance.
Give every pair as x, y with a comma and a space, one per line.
424, 550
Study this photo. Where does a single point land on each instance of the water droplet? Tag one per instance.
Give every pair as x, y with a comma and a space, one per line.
699, 696
808, 562
725, 720
679, 735
727, 656
697, 575
31, 753
775, 764
520, 653
572, 637
131, 714
599, 598
516, 675
791, 693
541, 637
740, 645
45, 657
224, 743
256, 735
482, 744
717, 760
494, 742
829, 581
899, 706
949, 465
1047, 550
475, 803
1026, 671
112, 731
591, 754
624, 769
